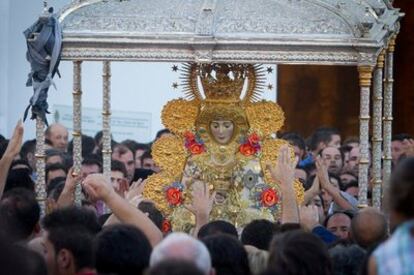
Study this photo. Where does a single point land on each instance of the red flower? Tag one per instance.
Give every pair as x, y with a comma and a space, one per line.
247, 149
269, 197
254, 139
174, 196
189, 136
166, 226
196, 148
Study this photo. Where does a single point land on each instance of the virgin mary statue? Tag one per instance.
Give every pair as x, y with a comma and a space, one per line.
223, 136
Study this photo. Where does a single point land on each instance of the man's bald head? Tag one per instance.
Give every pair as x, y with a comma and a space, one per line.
58, 136
369, 227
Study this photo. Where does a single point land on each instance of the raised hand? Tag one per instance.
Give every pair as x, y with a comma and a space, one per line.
309, 217
202, 202
322, 174
72, 179
15, 143
284, 170
136, 189
98, 188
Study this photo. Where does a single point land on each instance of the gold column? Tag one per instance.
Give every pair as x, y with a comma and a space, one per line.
387, 120
106, 119
377, 132
40, 166
77, 126
365, 77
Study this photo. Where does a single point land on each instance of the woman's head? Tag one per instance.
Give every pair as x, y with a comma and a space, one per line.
222, 130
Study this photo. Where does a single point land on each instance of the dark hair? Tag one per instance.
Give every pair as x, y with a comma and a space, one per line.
142, 146
346, 259
154, 214
19, 177
146, 155
142, 173
72, 216
258, 233
54, 183
73, 228
347, 213
122, 249
19, 214
161, 132
401, 137
131, 144
54, 152
28, 147
92, 160
217, 227
321, 135
228, 255
88, 145
338, 179
53, 167
299, 253
175, 267
17, 259
295, 139
401, 194
352, 183
116, 165
23, 162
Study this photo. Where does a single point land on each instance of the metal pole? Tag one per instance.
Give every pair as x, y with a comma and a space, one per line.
365, 77
106, 120
377, 132
40, 165
77, 127
387, 120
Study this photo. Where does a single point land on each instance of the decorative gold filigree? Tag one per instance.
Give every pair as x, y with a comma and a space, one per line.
300, 191
170, 154
154, 190
179, 115
265, 117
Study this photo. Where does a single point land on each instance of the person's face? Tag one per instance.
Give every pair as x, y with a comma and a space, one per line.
347, 178
300, 175
397, 149
54, 174
316, 201
335, 141
334, 182
339, 224
353, 191
49, 254
148, 163
222, 130
138, 154
353, 161
128, 160
89, 169
298, 153
119, 182
59, 137
327, 199
332, 159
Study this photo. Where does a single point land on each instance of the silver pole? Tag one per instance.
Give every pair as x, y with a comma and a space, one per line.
365, 76
106, 120
40, 166
377, 133
77, 127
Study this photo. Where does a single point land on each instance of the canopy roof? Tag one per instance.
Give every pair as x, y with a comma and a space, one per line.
346, 32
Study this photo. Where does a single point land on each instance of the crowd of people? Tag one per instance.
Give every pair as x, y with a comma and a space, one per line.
116, 230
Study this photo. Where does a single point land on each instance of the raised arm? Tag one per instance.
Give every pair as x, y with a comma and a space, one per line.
13, 148
99, 189
284, 173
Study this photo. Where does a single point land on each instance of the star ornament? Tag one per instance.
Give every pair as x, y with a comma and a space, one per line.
174, 68
269, 70
175, 85
270, 87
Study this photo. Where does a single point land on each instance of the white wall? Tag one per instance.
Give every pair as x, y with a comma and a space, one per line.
143, 87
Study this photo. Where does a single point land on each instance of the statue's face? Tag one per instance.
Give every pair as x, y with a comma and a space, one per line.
222, 130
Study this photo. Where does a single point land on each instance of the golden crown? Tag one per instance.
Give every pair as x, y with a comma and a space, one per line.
223, 82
